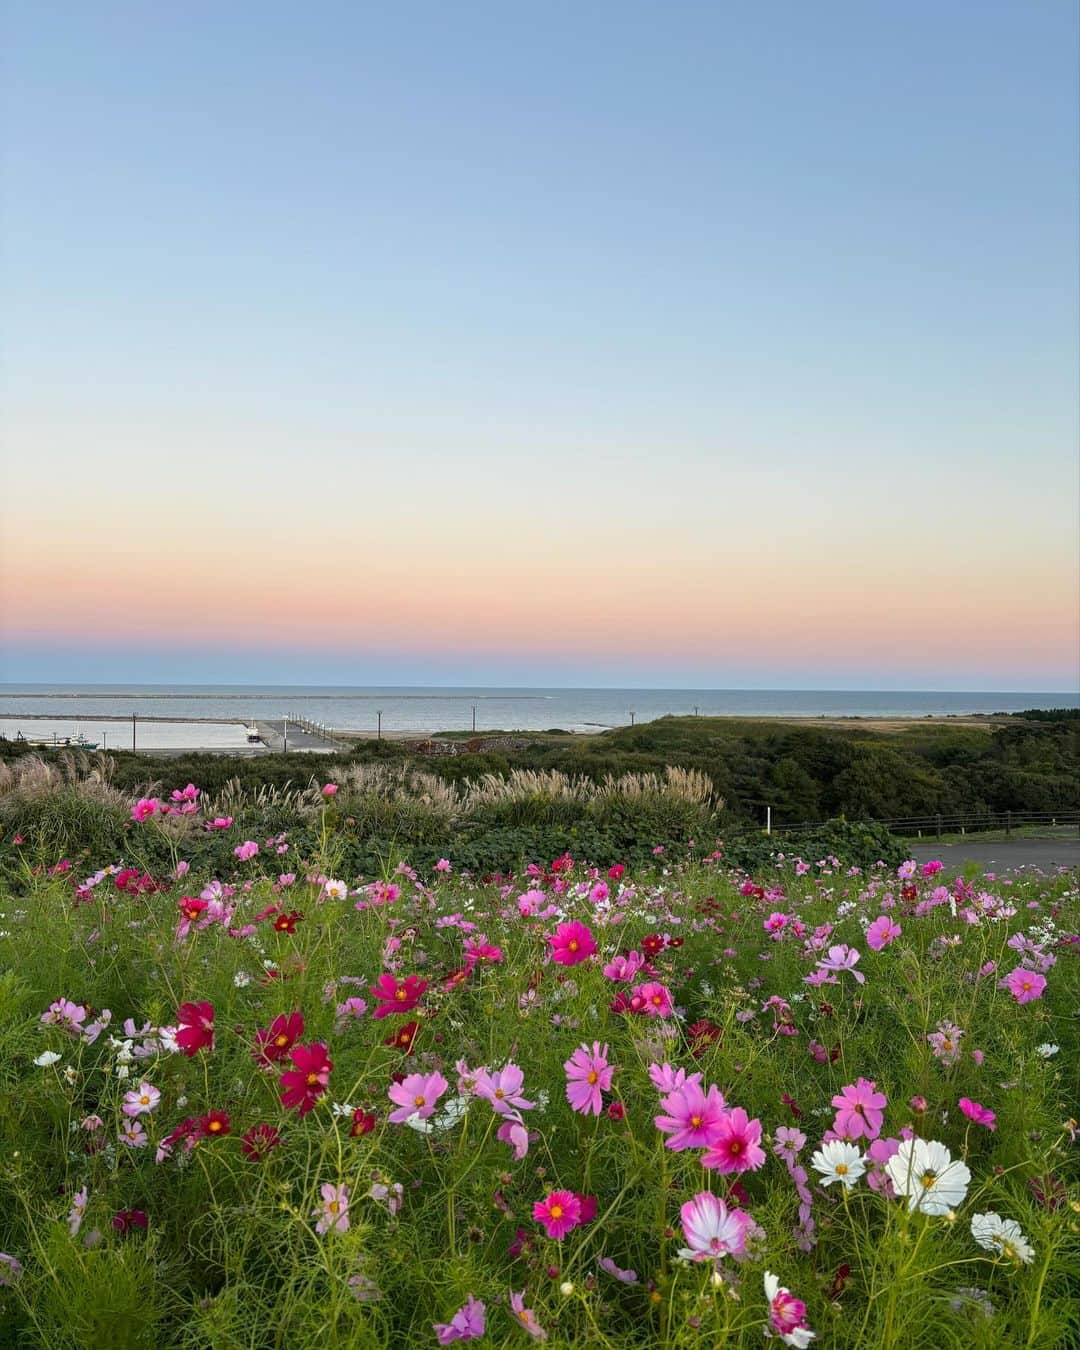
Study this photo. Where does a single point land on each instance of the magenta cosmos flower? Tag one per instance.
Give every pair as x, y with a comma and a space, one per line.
881, 932
467, 1324
712, 1230
736, 1144
571, 943
859, 1109
1024, 985
559, 1212
691, 1117
588, 1075
981, 1115
416, 1095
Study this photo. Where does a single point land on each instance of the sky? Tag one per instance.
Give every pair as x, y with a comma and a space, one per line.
545, 343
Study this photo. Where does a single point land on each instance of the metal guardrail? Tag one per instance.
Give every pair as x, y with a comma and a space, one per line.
971, 822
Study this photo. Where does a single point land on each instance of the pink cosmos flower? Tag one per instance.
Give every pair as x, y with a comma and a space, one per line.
571, 943
712, 1230
559, 1212
144, 808
417, 1094
246, 850
691, 1117
656, 999
333, 1210
588, 1075
624, 967
787, 1314
881, 932
513, 1131
775, 923
467, 1324
219, 823
526, 1318
859, 1109
1024, 985
736, 1144
329, 789
932, 868
502, 1089
444, 865
981, 1115
666, 1079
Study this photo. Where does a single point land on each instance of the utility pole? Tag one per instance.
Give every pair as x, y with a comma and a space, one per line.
474, 717
132, 733
378, 714
285, 734
631, 717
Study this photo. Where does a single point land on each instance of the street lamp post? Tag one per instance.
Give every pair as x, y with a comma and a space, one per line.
378, 735
285, 734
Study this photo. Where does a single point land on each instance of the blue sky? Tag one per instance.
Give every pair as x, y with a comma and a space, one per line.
697, 282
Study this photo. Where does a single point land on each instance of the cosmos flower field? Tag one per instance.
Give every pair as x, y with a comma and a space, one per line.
586, 1105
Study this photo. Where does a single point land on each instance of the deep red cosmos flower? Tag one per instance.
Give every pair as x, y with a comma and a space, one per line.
214, 1125
127, 1219
286, 923
191, 907
303, 1085
363, 1122
274, 1042
405, 1037
397, 998
196, 1027
258, 1142
652, 945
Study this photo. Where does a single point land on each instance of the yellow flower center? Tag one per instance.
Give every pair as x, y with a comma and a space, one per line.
556, 1211
841, 1169
696, 1122
418, 1101
572, 945
593, 1076
927, 1179
312, 1079
281, 1040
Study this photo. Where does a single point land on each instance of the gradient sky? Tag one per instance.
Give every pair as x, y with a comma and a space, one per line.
609, 343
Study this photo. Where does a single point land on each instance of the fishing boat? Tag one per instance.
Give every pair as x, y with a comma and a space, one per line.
77, 741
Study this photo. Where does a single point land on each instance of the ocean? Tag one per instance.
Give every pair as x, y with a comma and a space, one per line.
63, 709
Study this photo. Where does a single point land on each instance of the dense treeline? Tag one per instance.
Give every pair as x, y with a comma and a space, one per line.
804, 773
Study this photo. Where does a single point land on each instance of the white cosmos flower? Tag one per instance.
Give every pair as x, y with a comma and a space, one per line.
840, 1161
1046, 1050
46, 1058
926, 1173
1003, 1236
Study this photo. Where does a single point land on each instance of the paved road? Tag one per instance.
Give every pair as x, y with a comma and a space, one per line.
1003, 853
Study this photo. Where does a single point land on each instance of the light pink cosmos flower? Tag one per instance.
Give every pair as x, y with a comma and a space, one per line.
141, 1101
513, 1131
246, 850
66, 1014
559, 1212
502, 1089
588, 1075
881, 932
467, 1324
656, 999
332, 1212
736, 1144
691, 1117
859, 1110
840, 958
443, 865
417, 1094
78, 1210
981, 1115
572, 943
1024, 985
712, 1230
525, 1317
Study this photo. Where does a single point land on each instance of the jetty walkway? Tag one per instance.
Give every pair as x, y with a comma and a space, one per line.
295, 734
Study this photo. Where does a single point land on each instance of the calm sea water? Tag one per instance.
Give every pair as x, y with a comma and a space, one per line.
431, 709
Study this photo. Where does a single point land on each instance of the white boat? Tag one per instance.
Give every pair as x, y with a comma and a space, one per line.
253, 736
